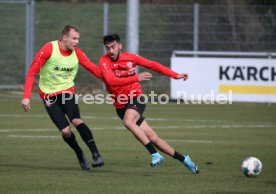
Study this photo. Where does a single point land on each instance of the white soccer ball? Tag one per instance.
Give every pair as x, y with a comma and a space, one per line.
252, 167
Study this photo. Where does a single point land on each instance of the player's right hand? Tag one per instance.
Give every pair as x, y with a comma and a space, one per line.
26, 104
144, 76
183, 76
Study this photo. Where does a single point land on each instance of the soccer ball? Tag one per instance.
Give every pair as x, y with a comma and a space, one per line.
251, 167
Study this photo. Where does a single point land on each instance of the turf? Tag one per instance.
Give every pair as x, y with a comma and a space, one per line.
34, 159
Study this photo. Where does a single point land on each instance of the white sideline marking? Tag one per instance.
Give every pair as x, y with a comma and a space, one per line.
231, 126
21, 115
45, 115
205, 123
24, 130
58, 137
84, 117
34, 136
191, 140
94, 128
154, 127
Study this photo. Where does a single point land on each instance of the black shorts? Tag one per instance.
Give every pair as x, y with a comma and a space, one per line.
137, 104
60, 106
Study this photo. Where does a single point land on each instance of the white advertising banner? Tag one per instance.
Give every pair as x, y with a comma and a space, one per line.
237, 79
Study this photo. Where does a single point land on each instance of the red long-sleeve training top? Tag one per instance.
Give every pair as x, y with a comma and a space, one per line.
120, 76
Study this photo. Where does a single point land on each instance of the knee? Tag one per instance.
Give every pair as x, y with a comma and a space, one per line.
66, 132
76, 122
153, 138
128, 123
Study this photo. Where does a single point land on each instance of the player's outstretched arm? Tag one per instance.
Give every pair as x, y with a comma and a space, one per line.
88, 64
144, 76
26, 104
183, 76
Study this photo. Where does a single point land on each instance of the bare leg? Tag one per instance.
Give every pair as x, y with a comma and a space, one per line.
161, 144
130, 119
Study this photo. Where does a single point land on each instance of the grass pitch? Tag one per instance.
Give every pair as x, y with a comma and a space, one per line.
34, 159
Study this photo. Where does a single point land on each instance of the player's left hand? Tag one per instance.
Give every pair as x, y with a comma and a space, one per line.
144, 76
183, 76
26, 104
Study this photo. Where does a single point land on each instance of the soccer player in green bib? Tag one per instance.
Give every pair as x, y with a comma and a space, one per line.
57, 64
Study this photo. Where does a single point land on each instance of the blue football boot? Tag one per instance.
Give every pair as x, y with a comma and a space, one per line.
190, 164
156, 159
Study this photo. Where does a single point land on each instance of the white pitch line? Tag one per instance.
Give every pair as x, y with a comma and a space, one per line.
21, 116
45, 115
191, 140
84, 117
154, 127
230, 126
58, 137
34, 136
24, 130
205, 123
93, 128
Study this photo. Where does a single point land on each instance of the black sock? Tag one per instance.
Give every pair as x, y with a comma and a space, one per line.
72, 142
87, 137
150, 148
178, 156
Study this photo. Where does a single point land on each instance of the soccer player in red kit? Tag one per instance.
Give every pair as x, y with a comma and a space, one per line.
122, 82
57, 64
